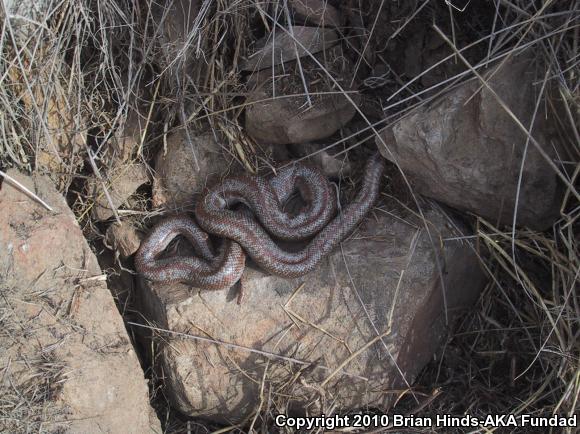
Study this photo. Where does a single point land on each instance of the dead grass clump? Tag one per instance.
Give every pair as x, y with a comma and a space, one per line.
518, 352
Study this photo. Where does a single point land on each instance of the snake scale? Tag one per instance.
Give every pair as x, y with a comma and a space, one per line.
252, 233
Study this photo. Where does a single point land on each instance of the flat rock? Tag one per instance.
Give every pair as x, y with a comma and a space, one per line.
315, 12
286, 120
384, 282
466, 151
280, 46
274, 116
66, 360
185, 167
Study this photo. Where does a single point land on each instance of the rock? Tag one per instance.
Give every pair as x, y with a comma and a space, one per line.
66, 360
123, 182
276, 118
123, 237
332, 167
282, 46
315, 12
284, 120
124, 176
185, 167
468, 154
387, 269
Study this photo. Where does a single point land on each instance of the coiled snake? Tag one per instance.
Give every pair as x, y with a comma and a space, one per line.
252, 232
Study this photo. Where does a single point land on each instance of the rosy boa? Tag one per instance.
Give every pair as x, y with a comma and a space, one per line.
252, 232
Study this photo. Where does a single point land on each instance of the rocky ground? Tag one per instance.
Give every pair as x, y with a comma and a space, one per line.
457, 293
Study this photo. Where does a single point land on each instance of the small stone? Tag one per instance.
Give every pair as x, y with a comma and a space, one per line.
129, 136
284, 120
276, 153
124, 238
276, 118
331, 166
122, 183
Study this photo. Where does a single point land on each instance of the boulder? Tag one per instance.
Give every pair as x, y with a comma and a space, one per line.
66, 360
185, 166
466, 151
385, 282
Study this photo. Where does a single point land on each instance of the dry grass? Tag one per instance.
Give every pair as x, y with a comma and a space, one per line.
31, 378
70, 78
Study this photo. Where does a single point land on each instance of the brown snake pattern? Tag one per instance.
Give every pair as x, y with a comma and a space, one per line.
253, 231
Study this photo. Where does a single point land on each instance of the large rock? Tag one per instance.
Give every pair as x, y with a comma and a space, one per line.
185, 167
66, 360
384, 281
466, 151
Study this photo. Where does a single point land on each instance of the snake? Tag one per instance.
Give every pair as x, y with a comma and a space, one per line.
247, 213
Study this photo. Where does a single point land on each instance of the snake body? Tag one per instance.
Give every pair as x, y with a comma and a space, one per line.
210, 271
216, 214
